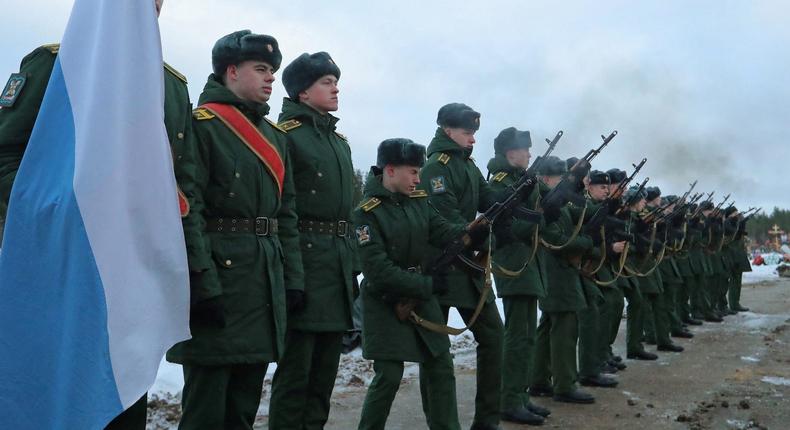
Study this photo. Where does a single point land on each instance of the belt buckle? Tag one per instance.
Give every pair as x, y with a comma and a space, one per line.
261, 226
342, 228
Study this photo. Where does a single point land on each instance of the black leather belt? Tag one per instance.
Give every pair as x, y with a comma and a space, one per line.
259, 226
334, 228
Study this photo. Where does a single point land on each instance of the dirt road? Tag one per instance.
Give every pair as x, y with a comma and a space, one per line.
734, 375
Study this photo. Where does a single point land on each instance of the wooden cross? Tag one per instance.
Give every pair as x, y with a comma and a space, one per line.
776, 232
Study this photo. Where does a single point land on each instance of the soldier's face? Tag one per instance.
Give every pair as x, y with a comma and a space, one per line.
640, 205
613, 189
401, 179
322, 95
251, 80
669, 209
655, 202
463, 137
519, 157
598, 192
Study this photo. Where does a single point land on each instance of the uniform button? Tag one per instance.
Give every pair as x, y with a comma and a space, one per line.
180, 135
228, 262
309, 245
312, 191
179, 157
320, 174
238, 175
231, 194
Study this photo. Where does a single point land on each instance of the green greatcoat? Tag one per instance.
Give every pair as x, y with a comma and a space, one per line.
323, 177
16, 126
520, 293
458, 191
248, 272
394, 232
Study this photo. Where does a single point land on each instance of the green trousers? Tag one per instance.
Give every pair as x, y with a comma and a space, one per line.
734, 290
133, 418
700, 301
634, 320
722, 286
555, 351
488, 331
611, 315
590, 360
648, 321
521, 323
438, 372
685, 296
659, 316
304, 380
672, 291
221, 397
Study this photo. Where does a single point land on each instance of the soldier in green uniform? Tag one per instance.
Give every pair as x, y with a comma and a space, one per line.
740, 261
554, 370
395, 228
631, 285
519, 279
324, 179
689, 266
592, 356
700, 300
614, 296
246, 238
18, 115
670, 272
458, 191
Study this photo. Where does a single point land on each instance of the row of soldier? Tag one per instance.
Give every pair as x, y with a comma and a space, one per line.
275, 244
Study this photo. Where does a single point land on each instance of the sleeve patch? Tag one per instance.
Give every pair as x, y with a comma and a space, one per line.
444, 158
290, 125
499, 176
369, 204
202, 114
418, 193
437, 185
363, 234
12, 90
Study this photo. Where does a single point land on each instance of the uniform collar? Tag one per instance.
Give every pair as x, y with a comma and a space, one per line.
306, 114
215, 92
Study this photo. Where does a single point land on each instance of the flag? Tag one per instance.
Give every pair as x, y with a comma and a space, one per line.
93, 270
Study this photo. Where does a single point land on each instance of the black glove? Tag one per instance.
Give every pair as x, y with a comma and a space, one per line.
295, 301
208, 313
355, 284
440, 284
477, 235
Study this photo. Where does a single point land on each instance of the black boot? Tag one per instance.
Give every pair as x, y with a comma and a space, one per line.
618, 364
740, 308
685, 334
598, 381
575, 396
539, 410
522, 416
692, 321
608, 368
642, 355
713, 318
670, 348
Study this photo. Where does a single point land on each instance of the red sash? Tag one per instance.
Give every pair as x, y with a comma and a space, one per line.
249, 134
183, 204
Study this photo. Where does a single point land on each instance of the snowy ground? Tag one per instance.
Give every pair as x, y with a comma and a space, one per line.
354, 370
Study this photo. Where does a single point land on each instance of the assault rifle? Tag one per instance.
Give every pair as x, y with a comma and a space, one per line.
566, 189
657, 214
515, 196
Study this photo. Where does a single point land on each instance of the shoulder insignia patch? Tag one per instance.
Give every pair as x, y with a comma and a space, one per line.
363, 234
290, 125
437, 185
499, 176
52, 47
444, 158
274, 124
341, 136
369, 204
472, 159
175, 73
202, 114
418, 193
12, 90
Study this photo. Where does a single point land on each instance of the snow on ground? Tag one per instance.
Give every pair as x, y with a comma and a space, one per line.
759, 274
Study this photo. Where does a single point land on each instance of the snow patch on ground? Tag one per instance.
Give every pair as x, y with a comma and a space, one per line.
751, 359
776, 380
759, 274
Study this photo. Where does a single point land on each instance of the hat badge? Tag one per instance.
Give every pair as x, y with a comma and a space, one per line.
269, 47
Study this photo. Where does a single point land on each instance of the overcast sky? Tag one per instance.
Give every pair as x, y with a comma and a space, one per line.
701, 88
